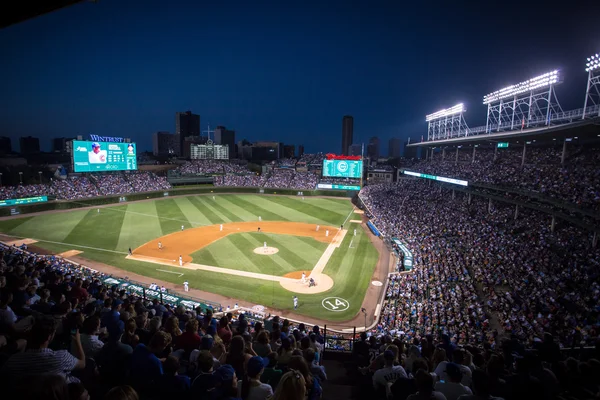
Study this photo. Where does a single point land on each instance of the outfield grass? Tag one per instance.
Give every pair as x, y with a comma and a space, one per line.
105, 237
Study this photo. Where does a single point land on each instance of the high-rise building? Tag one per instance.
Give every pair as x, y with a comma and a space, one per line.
5, 145
373, 148
410, 152
186, 125
59, 145
300, 150
29, 144
347, 131
355, 150
165, 143
289, 151
226, 137
394, 147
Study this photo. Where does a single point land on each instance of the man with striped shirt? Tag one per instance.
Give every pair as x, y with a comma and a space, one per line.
38, 359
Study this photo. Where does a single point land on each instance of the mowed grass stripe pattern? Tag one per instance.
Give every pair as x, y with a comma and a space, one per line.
139, 222
236, 251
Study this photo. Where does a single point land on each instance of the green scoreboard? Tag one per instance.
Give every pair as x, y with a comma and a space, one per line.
343, 168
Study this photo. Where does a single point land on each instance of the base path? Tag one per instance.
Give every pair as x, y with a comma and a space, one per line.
188, 241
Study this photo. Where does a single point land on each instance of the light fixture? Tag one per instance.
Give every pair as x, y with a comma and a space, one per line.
593, 63
553, 139
457, 109
545, 80
576, 137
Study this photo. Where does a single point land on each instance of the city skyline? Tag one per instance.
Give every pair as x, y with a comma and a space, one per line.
86, 70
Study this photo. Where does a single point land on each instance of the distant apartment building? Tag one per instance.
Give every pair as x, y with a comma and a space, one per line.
373, 148
226, 137
187, 124
29, 144
165, 144
394, 148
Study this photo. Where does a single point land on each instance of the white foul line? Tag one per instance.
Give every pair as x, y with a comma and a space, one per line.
170, 272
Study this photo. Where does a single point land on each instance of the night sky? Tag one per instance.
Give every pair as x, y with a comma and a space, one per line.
281, 70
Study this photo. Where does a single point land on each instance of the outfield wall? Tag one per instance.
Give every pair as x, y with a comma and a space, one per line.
116, 199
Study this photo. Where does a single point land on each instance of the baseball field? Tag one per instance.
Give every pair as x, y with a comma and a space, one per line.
221, 248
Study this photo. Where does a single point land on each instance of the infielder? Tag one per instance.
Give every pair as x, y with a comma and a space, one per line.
180, 261
355, 232
327, 232
186, 286
221, 227
295, 303
303, 280
181, 227
130, 253
160, 245
265, 245
259, 218
317, 228
98, 211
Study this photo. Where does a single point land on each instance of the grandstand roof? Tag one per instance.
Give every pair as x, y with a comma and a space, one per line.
13, 12
584, 129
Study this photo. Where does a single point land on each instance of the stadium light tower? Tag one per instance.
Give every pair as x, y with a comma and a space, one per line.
592, 94
528, 103
446, 124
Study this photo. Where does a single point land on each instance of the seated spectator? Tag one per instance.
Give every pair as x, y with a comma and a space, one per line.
226, 383
314, 390
114, 358
315, 369
146, 367
389, 373
458, 357
78, 392
89, 337
425, 388
261, 346
252, 387
123, 392
205, 382
272, 373
452, 388
171, 383
292, 386
189, 340
38, 359
481, 388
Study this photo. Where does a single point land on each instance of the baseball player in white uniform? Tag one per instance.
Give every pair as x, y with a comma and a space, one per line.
259, 218
221, 227
97, 156
265, 245
181, 227
295, 303
317, 228
355, 232
303, 280
327, 232
180, 261
186, 286
160, 245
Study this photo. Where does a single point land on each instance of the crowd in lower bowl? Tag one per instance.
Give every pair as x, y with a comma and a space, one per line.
82, 186
509, 292
66, 335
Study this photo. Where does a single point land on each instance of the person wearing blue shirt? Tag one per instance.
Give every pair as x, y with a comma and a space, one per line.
146, 367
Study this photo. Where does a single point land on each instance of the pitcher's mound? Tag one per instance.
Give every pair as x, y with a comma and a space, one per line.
322, 284
266, 251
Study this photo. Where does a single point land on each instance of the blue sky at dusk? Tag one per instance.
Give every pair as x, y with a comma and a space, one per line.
281, 70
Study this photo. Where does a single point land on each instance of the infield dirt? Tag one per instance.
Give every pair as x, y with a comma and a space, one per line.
188, 241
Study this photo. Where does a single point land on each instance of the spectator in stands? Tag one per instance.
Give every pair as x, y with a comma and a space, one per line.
292, 386
171, 383
38, 359
452, 388
90, 342
123, 392
389, 373
425, 388
314, 390
252, 387
146, 367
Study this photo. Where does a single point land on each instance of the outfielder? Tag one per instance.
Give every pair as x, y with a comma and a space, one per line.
317, 228
221, 227
355, 232
186, 286
160, 245
98, 211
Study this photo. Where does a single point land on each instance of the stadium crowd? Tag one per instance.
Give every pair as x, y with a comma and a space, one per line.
82, 186
576, 181
63, 332
278, 178
207, 167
